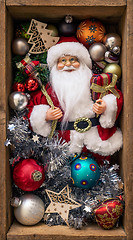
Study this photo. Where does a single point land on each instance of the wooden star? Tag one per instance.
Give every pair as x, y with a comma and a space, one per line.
61, 203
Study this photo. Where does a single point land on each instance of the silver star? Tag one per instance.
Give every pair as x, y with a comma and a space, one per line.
35, 138
11, 127
116, 167
7, 143
87, 209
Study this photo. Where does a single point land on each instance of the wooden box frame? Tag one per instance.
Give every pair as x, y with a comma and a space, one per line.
119, 12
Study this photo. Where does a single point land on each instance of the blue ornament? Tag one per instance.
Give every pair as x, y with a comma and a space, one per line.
85, 172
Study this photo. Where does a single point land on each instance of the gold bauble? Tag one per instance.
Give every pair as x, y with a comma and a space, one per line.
113, 68
20, 46
54, 29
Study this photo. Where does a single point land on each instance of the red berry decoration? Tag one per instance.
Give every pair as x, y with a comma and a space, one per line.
31, 84
18, 87
28, 175
108, 213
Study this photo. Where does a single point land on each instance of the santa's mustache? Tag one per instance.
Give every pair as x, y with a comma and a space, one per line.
67, 68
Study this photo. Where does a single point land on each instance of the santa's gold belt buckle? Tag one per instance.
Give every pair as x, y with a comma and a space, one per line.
82, 130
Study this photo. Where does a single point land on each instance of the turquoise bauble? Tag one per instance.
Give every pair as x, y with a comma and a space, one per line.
85, 172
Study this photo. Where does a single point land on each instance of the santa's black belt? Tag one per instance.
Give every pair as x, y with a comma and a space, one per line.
80, 125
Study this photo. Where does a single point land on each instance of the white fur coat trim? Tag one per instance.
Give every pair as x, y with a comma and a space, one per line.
38, 122
68, 48
94, 143
108, 118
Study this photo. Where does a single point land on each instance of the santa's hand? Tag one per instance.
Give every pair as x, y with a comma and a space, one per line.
54, 114
99, 106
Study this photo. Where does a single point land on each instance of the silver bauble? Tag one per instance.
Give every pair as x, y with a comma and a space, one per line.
30, 210
112, 40
97, 52
116, 50
18, 100
20, 46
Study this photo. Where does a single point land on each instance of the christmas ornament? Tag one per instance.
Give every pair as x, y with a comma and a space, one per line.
112, 42
97, 52
31, 84
40, 37
18, 100
18, 87
108, 212
20, 46
28, 209
61, 203
90, 31
54, 29
97, 67
28, 175
21, 30
67, 27
85, 172
113, 68
111, 58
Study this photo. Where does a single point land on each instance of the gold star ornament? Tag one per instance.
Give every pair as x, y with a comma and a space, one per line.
61, 203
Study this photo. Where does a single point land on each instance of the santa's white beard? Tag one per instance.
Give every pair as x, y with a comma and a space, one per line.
71, 87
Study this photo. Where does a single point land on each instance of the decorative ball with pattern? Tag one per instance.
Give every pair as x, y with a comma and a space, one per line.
108, 212
97, 51
29, 209
20, 46
85, 172
90, 31
18, 87
28, 174
31, 84
18, 100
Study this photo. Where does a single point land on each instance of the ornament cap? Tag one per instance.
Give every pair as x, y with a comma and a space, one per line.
37, 176
15, 202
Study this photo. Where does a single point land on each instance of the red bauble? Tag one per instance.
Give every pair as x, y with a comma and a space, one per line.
108, 213
18, 87
28, 175
31, 84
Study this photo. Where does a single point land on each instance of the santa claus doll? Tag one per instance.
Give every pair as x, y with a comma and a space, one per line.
69, 88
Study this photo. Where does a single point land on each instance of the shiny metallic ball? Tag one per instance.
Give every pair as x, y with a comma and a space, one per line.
18, 101
113, 68
20, 46
54, 29
30, 209
116, 50
112, 40
97, 52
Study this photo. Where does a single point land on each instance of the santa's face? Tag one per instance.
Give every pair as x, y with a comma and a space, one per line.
71, 84
68, 63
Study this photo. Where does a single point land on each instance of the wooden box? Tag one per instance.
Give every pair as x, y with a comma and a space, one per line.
117, 13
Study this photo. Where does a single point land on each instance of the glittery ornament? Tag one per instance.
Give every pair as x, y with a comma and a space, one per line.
67, 27
20, 46
18, 87
97, 52
90, 31
108, 212
113, 68
18, 101
85, 172
21, 30
28, 209
28, 175
31, 84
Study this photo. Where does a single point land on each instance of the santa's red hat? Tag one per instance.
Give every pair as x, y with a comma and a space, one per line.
68, 46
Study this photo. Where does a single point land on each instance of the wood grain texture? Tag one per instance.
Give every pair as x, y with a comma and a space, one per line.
2, 121
66, 3
44, 232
